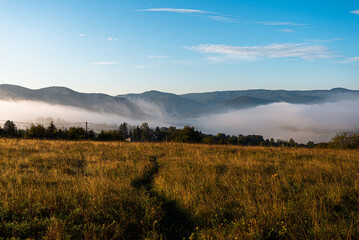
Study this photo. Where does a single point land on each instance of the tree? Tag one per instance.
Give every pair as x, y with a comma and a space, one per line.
222, 138
187, 134
36, 131
124, 130
310, 144
146, 132
254, 140
110, 135
10, 128
158, 134
291, 143
242, 140
345, 140
76, 133
51, 131
137, 133
209, 140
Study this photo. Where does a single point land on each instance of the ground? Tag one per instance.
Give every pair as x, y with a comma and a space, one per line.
103, 190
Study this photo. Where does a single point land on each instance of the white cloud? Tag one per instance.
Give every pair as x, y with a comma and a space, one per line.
355, 12
82, 35
105, 63
352, 60
210, 15
273, 23
287, 50
112, 39
143, 66
175, 10
156, 57
219, 17
222, 18
281, 23
322, 40
287, 30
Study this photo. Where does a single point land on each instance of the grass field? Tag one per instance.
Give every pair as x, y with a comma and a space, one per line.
87, 190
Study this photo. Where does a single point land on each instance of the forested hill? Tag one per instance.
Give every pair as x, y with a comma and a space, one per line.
195, 104
178, 106
96, 102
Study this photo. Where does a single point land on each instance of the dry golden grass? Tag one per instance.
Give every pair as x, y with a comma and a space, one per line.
87, 190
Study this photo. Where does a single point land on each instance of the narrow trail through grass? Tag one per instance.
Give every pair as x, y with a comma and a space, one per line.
112, 190
175, 223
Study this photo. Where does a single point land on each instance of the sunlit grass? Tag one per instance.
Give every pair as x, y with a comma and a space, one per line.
86, 190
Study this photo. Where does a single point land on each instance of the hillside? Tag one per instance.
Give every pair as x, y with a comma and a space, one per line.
197, 104
175, 105
246, 102
67, 97
274, 95
179, 107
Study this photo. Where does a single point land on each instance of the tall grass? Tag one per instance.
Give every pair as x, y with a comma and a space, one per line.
87, 190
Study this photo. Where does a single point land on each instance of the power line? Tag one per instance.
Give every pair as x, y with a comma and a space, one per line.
87, 125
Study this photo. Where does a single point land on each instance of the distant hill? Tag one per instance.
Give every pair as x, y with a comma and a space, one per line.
306, 99
67, 97
174, 104
197, 104
274, 95
246, 102
178, 106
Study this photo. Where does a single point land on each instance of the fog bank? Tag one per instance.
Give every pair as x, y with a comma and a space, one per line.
24, 113
303, 123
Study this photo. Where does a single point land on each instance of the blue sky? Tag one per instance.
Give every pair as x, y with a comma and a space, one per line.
184, 46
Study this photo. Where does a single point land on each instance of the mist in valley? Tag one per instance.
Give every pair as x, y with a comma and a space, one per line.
301, 122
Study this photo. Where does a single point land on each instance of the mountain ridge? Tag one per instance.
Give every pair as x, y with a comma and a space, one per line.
180, 106
97, 102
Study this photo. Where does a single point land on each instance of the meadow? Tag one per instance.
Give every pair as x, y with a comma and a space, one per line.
118, 190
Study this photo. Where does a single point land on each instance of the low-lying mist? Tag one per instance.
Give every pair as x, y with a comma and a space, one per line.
303, 123
24, 113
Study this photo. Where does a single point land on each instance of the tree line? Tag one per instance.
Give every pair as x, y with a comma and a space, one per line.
144, 133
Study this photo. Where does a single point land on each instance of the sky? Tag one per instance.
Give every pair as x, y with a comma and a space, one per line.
132, 46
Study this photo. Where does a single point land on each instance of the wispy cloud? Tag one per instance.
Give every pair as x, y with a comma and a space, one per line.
207, 14
175, 10
219, 17
322, 40
274, 23
82, 35
351, 60
143, 66
156, 57
355, 12
287, 50
112, 39
287, 30
223, 18
280, 23
105, 63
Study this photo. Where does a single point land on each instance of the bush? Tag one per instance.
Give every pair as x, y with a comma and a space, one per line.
345, 141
